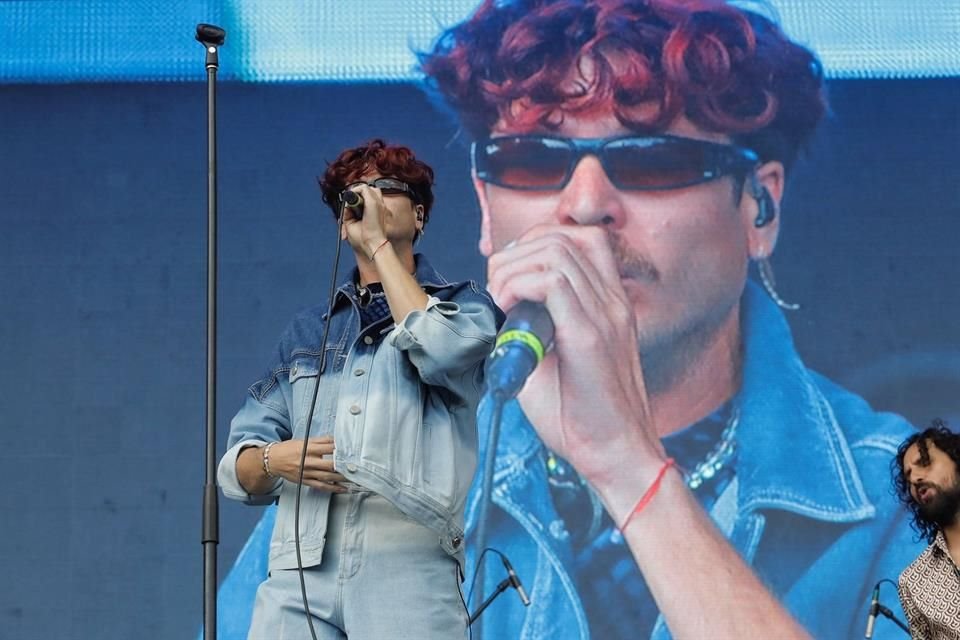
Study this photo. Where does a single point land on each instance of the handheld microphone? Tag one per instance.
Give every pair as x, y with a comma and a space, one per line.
526, 336
353, 200
874, 610
515, 581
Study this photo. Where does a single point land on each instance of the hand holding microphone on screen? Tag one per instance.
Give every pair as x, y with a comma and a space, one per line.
586, 397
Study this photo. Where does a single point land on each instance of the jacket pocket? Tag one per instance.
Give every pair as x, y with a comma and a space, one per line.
304, 372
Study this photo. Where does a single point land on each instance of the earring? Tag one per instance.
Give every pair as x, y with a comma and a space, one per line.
765, 270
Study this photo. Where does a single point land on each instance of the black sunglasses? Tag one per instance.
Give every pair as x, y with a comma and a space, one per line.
387, 186
636, 163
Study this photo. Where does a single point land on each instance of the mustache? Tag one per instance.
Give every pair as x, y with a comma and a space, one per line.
633, 265
926, 485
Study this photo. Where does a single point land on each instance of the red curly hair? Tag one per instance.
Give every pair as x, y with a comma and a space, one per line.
391, 161
726, 69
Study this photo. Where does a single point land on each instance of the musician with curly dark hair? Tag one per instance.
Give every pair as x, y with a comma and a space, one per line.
927, 478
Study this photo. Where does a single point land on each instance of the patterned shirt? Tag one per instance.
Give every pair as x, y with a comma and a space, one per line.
930, 594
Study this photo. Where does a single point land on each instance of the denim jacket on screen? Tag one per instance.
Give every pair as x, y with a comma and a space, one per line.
810, 508
400, 401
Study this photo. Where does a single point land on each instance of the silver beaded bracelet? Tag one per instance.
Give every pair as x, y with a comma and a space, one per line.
266, 460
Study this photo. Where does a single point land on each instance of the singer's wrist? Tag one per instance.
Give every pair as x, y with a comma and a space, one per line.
661, 485
628, 472
611, 463
373, 246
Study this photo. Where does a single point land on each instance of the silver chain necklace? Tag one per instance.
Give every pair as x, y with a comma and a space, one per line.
718, 458
706, 469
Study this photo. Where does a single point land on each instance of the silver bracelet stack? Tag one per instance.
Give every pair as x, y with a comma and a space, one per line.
266, 461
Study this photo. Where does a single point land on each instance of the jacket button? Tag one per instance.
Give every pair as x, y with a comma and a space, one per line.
367, 340
352, 468
456, 542
355, 409
358, 372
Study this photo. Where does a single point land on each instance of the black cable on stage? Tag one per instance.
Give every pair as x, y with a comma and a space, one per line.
473, 583
466, 607
306, 436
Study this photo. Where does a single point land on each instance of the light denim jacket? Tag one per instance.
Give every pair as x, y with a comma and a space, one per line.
400, 401
810, 507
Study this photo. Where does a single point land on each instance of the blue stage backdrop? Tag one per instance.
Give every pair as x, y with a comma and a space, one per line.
102, 253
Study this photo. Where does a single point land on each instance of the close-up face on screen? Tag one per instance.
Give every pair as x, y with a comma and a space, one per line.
576, 319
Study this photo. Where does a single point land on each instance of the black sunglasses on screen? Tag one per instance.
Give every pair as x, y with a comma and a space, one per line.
634, 163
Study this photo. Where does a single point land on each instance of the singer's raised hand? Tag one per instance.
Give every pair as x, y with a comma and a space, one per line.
367, 233
591, 401
587, 399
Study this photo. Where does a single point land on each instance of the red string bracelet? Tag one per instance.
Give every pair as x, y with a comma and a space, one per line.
380, 246
649, 493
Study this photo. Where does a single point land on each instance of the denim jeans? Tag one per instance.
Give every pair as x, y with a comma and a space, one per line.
383, 575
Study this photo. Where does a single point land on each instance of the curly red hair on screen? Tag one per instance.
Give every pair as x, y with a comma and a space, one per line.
392, 161
528, 62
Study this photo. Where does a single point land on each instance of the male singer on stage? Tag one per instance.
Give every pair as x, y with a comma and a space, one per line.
392, 427
927, 478
671, 469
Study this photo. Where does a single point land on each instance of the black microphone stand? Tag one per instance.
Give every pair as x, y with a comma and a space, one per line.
512, 580
503, 586
882, 610
211, 37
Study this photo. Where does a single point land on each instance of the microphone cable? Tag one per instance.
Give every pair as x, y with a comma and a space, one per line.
512, 580
306, 436
486, 487
473, 583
